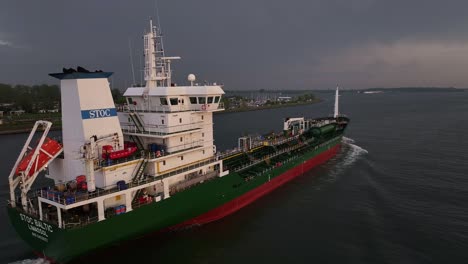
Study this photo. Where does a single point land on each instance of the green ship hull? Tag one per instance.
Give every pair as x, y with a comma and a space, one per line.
200, 204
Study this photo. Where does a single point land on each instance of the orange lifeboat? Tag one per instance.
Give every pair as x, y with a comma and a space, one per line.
50, 146
109, 153
122, 153
118, 154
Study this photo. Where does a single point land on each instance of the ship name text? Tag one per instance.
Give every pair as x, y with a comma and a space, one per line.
98, 113
39, 229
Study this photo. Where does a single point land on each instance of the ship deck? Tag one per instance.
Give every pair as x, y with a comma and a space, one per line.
266, 154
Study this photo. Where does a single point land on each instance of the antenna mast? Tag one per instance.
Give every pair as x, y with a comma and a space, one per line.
157, 66
131, 61
335, 115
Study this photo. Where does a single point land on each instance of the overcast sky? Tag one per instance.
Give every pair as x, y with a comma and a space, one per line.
245, 44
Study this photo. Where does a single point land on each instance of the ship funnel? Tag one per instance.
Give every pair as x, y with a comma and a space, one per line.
88, 111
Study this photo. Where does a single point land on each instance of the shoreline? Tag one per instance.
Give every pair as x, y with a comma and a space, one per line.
238, 110
13, 131
25, 130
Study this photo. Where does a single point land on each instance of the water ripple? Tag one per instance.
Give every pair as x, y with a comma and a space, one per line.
31, 261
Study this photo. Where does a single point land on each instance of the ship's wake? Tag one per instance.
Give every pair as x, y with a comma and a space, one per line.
31, 261
349, 155
354, 152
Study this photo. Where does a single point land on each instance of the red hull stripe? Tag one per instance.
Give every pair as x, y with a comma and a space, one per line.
247, 198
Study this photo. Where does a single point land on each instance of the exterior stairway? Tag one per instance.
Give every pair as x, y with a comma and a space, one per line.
137, 140
137, 121
139, 175
140, 128
140, 172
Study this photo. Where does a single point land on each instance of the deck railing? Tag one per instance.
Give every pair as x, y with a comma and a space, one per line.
256, 142
161, 130
166, 108
272, 155
258, 161
71, 198
72, 222
190, 182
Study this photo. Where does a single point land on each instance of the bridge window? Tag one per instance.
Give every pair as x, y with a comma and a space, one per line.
201, 100
210, 99
181, 139
164, 162
174, 101
193, 100
163, 100
217, 99
180, 120
202, 117
181, 157
162, 121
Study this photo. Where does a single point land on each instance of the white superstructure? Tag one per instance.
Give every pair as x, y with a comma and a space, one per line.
158, 143
179, 119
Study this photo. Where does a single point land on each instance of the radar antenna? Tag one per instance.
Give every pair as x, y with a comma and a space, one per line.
157, 66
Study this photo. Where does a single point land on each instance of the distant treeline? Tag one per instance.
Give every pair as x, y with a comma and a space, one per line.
404, 89
418, 89
34, 98
29, 98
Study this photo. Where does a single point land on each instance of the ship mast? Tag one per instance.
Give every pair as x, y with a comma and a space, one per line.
335, 115
157, 66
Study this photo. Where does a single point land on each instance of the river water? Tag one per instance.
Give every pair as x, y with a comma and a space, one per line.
396, 193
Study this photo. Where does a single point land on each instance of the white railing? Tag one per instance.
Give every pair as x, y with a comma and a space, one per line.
272, 155
161, 130
61, 197
185, 146
255, 143
190, 182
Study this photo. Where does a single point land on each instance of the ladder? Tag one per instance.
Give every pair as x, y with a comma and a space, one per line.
274, 147
137, 121
140, 128
137, 195
251, 158
140, 172
137, 140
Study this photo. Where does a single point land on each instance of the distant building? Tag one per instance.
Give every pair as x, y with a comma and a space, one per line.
284, 98
43, 111
17, 112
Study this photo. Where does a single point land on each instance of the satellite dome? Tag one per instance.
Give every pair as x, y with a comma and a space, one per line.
191, 77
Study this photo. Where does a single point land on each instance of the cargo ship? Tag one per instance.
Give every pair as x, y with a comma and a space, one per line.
149, 165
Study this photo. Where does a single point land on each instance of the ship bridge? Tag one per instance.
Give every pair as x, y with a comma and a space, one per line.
175, 99
172, 125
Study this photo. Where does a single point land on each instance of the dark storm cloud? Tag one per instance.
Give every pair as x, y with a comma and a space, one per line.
245, 44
